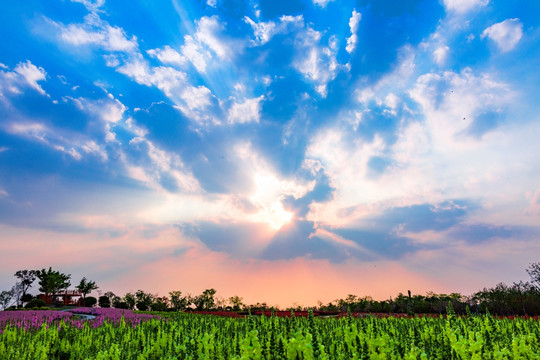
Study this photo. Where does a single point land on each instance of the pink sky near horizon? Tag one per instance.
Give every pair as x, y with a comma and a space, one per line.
130, 262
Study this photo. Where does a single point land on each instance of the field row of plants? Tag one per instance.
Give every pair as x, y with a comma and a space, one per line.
194, 336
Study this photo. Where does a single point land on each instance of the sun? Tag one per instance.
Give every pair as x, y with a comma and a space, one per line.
276, 216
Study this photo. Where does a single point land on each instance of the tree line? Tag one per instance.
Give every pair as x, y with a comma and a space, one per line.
521, 298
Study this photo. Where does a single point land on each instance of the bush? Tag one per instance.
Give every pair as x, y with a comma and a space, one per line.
121, 305
35, 303
104, 302
90, 301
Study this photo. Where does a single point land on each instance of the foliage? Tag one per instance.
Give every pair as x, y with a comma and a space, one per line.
118, 334
25, 280
35, 303
104, 301
5, 298
236, 302
90, 301
52, 281
144, 300
178, 301
85, 287
534, 273
130, 300
206, 300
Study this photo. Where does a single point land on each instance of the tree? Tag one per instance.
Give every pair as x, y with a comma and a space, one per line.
178, 301
104, 301
130, 300
534, 273
236, 302
5, 298
85, 287
205, 301
90, 301
52, 281
160, 304
144, 300
25, 280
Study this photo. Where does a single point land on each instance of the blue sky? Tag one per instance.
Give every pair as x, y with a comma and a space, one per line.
227, 143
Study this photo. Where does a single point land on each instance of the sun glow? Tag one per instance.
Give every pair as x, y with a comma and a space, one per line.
276, 216
269, 193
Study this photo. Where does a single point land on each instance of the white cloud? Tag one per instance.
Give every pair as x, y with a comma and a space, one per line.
32, 74
506, 34
246, 111
208, 39
92, 6
98, 33
208, 31
195, 53
24, 75
168, 55
353, 25
463, 6
212, 3
153, 163
317, 63
322, 3
264, 31
440, 54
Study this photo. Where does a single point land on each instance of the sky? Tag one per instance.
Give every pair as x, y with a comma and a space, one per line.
286, 151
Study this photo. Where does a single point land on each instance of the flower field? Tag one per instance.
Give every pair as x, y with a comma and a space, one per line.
116, 334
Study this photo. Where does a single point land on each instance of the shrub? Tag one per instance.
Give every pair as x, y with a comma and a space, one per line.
90, 301
35, 303
121, 305
104, 302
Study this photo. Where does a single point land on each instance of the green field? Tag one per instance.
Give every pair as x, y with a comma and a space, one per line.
192, 336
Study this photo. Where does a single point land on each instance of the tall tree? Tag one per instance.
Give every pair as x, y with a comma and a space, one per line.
178, 301
130, 300
52, 281
206, 300
85, 287
5, 298
236, 302
534, 273
25, 280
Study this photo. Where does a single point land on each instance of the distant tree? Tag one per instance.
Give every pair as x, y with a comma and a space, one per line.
85, 287
144, 300
25, 279
51, 281
130, 300
26, 298
35, 303
179, 302
5, 298
236, 302
104, 301
90, 301
534, 273
206, 300
160, 304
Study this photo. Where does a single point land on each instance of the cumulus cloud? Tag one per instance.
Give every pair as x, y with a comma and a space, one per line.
91, 5
505, 34
322, 3
97, 32
168, 55
440, 54
463, 6
353, 25
264, 31
25, 75
246, 111
68, 143
317, 62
